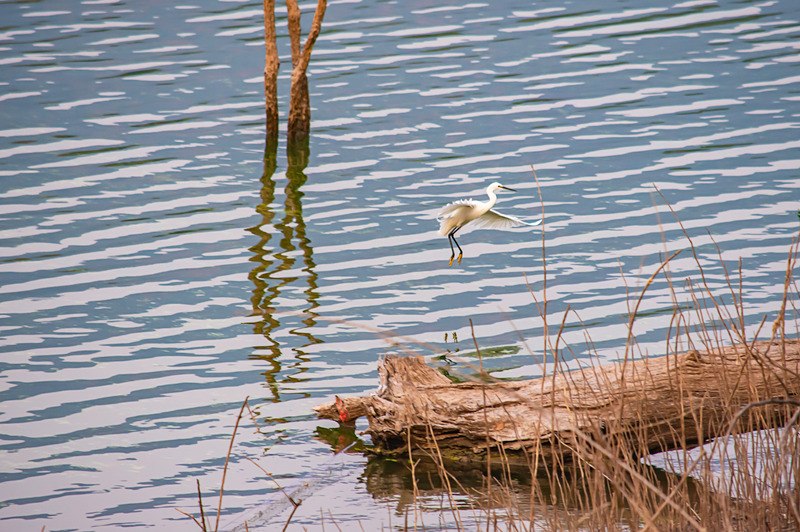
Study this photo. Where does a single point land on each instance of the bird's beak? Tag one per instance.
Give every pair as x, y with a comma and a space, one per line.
511, 189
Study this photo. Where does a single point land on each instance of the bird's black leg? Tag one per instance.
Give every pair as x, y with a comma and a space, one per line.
460, 251
452, 251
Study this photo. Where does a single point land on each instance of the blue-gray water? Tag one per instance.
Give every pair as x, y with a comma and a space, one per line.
141, 244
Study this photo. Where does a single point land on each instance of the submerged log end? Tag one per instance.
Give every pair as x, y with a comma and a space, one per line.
344, 410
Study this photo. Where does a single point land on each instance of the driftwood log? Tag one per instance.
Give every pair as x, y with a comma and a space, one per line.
648, 405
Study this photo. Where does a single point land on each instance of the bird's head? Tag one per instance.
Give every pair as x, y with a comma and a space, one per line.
497, 186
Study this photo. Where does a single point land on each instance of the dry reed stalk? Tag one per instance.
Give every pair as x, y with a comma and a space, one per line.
204, 526
227, 460
200, 504
445, 476
414, 485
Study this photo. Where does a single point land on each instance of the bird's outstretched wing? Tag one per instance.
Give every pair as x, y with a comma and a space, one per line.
495, 220
449, 209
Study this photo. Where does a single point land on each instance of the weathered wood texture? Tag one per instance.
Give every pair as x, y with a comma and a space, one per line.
299, 105
648, 405
271, 66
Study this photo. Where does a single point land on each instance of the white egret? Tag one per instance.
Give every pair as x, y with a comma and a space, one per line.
479, 214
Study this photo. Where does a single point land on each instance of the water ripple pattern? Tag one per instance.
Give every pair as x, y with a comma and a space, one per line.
156, 267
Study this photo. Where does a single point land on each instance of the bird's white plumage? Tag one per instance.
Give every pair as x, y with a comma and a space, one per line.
492, 219
450, 208
477, 214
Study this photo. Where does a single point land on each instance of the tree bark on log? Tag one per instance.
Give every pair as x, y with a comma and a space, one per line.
299, 105
271, 66
645, 406
299, 125
293, 24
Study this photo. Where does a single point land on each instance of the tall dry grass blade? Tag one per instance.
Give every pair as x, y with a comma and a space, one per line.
545, 334
200, 503
414, 485
485, 419
780, 320
443, 474
227, 460
636, 309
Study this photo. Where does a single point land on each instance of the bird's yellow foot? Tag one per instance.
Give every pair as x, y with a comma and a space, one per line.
451, 261
459, 257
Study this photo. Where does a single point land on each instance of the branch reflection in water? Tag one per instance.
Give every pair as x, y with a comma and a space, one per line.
277, 278
461, 495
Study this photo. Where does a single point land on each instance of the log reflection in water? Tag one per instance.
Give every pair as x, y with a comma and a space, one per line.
514, 498
573, 496
276, 274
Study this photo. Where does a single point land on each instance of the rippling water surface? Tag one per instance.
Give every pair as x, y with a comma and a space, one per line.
155, 268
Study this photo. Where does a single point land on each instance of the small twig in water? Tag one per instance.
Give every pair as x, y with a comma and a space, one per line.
294, 502
190, 516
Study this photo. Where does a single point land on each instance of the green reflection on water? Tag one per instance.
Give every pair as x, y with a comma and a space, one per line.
268, 278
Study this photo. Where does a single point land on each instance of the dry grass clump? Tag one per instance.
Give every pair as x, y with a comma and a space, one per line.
736, 471
744, 478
